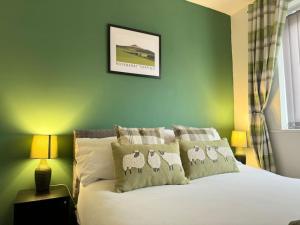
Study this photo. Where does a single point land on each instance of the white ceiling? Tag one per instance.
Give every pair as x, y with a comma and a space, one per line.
229, 7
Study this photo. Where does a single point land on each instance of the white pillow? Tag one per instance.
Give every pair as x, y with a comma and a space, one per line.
94, 159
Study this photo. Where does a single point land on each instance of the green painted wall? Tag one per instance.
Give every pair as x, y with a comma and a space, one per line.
53, 77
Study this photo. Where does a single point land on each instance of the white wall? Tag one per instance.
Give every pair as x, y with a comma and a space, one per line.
239, 32
239, 38
285, 143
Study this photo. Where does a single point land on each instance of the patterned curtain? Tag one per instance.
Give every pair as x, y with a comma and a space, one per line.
266, 19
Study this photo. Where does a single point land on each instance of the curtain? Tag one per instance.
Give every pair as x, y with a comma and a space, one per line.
265, 20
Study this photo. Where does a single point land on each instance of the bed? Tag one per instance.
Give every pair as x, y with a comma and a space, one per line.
251, 197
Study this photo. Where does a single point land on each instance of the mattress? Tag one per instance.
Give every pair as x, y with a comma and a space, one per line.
251, 197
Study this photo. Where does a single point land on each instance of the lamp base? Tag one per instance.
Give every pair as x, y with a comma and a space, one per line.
239, 151
42, 177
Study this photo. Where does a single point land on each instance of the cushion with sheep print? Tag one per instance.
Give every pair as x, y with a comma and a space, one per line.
138, 166
205, 158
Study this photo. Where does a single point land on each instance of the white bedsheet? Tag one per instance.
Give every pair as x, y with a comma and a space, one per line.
251, 197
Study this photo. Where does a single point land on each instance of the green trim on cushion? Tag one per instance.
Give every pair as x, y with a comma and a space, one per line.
139, 166
206, 158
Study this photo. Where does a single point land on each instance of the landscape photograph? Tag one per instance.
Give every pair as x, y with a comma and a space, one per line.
135, 55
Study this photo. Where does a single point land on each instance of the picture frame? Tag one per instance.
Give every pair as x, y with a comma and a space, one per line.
134, 52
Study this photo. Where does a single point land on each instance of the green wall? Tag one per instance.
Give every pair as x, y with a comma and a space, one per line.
53, 77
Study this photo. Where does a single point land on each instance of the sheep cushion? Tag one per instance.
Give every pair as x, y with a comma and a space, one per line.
138, 166
205, 158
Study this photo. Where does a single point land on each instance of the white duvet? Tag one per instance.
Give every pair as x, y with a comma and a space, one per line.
251, 197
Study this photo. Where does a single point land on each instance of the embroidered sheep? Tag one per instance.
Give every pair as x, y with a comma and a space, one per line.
154, 160
226, 152
133, 160
195, 154
211, 153
171, 159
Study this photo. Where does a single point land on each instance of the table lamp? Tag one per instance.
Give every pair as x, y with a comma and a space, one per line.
239, 141
43, 147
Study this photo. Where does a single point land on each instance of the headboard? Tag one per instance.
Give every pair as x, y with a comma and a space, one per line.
101, 133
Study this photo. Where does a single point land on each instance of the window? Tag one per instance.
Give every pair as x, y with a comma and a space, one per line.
289, 66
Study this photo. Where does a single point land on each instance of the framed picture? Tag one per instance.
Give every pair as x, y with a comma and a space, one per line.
133, 52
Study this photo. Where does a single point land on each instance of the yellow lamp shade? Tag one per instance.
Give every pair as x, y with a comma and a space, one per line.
239, 139
44, 147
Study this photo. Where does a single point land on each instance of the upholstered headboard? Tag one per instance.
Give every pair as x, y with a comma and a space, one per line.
102, 133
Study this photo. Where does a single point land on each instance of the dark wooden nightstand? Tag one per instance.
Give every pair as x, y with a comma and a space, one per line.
241, 158
54, 208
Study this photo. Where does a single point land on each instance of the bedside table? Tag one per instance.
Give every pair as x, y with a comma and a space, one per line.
241, 158
54, 208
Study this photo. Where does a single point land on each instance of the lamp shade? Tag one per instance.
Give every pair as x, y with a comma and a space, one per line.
44, 147
239, 139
